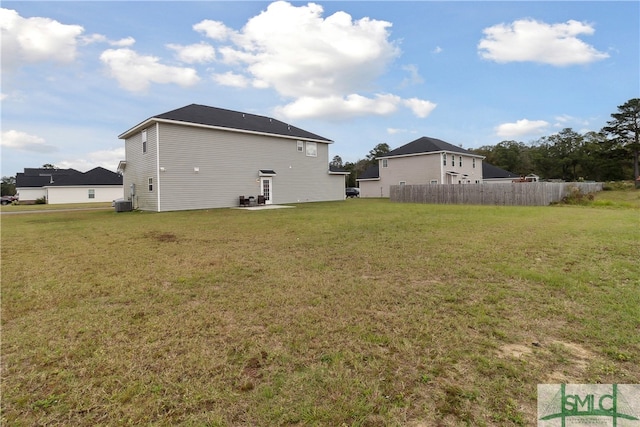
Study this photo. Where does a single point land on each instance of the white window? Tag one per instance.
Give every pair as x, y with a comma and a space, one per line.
150, 184
385, 163
460, 161
92, 193
403, 182
300, 147
312, 149
144, 141
474, 162
453, 160
434, 181
444, 159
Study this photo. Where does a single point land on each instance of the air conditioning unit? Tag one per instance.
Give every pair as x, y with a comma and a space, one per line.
124, 206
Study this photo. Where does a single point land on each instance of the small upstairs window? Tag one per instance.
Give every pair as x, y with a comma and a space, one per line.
385, 163
92, 193
144, 141
150, 184
444, 159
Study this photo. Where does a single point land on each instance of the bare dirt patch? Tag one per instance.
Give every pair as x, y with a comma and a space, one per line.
161, 236
514, 350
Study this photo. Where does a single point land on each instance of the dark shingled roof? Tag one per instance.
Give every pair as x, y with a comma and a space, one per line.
219, 117
426, 145
96, 176
39, 177
494, 172
372, 172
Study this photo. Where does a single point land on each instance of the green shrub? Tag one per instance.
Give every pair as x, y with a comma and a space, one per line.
577, 197
41, 201
618, 185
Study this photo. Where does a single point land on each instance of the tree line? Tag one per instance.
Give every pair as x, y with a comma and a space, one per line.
610, 154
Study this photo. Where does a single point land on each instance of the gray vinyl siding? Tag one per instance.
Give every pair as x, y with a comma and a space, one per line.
140, 167
228, 166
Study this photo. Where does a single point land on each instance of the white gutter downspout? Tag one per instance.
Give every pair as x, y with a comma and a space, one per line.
158, 162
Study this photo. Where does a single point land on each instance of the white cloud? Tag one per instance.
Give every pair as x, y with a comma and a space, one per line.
215, 30
107, 159
25, 142
136, 72
36, 39
531, 40
231, 79
393, 131
194, 53
337, 107
126, 42
521, 127
437, 50
326, 66
414, 75
301, 54
420, 108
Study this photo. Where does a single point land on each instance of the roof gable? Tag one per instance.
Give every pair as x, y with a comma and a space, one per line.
232, 120
426, 145
96, 176
39, 177
493, 172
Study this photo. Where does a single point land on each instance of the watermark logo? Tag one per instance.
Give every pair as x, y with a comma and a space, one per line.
577, 405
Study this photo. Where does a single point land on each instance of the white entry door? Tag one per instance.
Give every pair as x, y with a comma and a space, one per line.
266, 190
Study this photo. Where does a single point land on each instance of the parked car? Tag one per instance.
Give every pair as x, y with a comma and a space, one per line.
352, 192
7, 200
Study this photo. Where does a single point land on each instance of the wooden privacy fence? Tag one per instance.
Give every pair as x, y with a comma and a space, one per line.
510, 194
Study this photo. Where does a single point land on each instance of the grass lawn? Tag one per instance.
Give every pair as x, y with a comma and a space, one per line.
356, 313
45, 207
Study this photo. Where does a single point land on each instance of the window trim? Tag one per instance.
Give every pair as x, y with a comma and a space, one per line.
150, 184
385, 163
433, 181
91, 193
444, 159
300, 146
312, 149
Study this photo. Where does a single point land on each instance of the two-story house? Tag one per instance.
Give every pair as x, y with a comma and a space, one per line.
200, 157
423, 161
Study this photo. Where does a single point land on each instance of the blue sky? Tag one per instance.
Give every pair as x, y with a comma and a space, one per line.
75, 75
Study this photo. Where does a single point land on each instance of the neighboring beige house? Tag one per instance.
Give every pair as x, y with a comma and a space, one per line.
423, 161
59, 186
201, 157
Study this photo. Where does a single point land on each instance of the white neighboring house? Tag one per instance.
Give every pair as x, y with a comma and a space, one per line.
96, 185
201, 157
59, 186
423, 161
